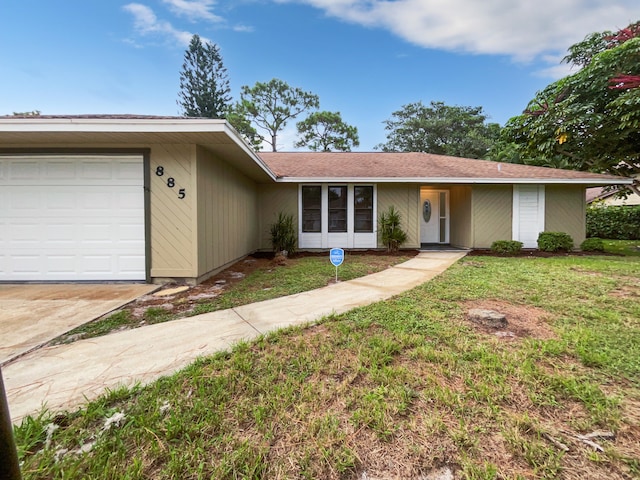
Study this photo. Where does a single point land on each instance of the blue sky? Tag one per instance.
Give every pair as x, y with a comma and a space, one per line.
364, 58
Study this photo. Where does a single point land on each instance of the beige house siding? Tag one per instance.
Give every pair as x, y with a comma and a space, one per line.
172, 220
565, 210
460, 213
227, 213
492, 207
406, 199
275, 198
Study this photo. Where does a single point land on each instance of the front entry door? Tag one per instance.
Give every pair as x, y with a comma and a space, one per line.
434, 216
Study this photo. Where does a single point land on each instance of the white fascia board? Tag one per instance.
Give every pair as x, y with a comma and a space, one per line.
431, 180
244, 145
115, 125
134, 125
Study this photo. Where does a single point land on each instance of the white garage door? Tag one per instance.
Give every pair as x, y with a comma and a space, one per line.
72, 218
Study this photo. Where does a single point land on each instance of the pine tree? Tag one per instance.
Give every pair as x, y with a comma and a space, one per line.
204, 84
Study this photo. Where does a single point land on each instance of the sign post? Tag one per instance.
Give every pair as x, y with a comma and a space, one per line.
9, 467
336, 255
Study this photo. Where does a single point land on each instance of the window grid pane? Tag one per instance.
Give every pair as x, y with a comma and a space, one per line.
311, 208
338, 209
363, 209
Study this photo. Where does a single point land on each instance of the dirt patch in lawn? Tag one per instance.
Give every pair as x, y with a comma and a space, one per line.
524, 321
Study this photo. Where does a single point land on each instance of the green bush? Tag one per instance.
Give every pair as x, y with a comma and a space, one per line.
283, 234
392, 234
506, 247
592, 245
555, 241
614, 222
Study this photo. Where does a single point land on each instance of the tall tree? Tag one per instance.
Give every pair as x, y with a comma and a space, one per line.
271, 105
589, 120
204, 84
441, 129
237, 116
326, 131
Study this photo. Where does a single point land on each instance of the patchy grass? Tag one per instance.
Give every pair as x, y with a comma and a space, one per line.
622, 247
261, 282
397, 389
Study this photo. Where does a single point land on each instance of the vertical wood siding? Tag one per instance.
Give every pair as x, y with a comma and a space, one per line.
565, 210
460, 211
275, 198
227, 213
406, 199
173, 252
492, 207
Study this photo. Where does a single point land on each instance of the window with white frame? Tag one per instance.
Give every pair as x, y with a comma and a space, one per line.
311, 208
363, 208
337, 215
337, 208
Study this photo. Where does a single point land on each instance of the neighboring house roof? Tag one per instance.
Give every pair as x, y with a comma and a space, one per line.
420, 167
609, 196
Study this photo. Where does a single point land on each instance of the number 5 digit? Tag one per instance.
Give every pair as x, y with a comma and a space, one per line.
181, 193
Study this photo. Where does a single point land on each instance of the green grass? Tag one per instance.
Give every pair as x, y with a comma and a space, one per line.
623, 247
396, 389
299, 275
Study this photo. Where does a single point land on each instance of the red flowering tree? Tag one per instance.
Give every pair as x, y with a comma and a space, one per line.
589, 120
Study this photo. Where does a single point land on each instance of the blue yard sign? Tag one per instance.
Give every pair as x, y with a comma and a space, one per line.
336, 255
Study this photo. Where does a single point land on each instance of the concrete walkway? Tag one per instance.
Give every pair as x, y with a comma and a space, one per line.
65, 376
32, 314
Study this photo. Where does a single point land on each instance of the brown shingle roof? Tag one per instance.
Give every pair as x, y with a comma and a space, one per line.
405, 166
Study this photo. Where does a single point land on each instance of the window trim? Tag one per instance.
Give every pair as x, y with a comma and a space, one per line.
345, 209
368, 209
303, 209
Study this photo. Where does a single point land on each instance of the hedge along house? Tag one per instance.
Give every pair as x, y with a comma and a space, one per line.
132, 198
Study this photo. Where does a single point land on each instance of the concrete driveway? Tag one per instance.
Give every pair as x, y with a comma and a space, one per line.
32, 315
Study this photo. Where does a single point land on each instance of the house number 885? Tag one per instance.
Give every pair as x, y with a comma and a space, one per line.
171, 182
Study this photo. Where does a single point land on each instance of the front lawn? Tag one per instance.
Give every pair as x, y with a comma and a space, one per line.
253, 279
622, 247
397, 389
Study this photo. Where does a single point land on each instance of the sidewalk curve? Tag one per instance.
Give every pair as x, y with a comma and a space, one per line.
65, 376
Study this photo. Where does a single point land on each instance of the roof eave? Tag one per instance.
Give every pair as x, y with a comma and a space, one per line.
114, 125
458, 180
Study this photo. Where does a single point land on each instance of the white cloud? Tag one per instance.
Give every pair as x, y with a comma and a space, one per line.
523, 30
194, 9
146, 22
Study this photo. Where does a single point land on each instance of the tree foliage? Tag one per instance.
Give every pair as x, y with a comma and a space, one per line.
589, 120
204, 83
238, 117
441, 129
272, 104
326, 131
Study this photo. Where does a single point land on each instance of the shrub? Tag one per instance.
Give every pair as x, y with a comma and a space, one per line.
592, 245
283, 234
555, 241
392, 234
614, 222
506, 247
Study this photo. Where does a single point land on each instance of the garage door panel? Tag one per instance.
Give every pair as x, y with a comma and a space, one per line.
72, 219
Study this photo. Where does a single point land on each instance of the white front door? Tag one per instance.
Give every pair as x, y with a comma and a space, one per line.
528, 214
434, 216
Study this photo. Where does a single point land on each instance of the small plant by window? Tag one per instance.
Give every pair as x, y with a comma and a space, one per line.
592, 245
506, 247
390, 231
555, 242
283, 234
